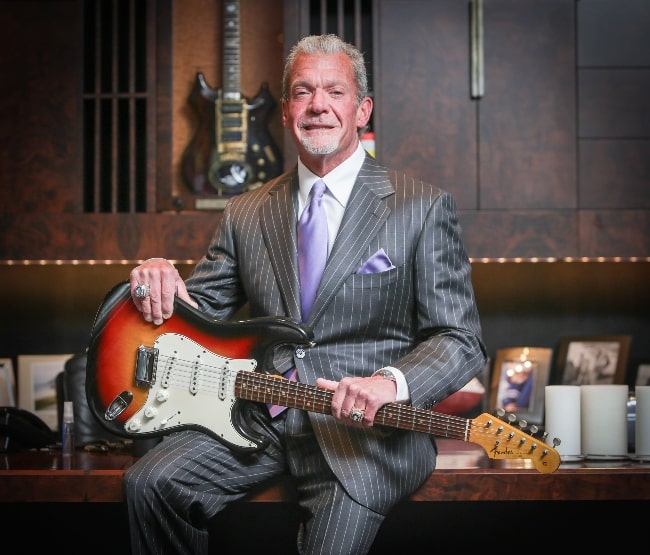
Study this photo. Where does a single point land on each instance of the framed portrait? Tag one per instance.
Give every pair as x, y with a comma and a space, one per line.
7, 383
593, 359
519, 377
37, 385
643, 374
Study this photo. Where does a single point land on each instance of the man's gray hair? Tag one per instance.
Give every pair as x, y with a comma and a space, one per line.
327, 44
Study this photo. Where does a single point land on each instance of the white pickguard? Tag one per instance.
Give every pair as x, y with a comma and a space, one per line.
191, 385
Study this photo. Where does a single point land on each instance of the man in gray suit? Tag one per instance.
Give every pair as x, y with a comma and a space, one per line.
394, 320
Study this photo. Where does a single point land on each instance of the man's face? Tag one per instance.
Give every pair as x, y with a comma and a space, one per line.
322, 112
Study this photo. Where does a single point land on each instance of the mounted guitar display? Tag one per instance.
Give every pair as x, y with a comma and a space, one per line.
232, 150
144, 381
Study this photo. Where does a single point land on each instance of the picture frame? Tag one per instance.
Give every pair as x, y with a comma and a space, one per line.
7, 383
643, 374
519, 378
592, 359
37, 385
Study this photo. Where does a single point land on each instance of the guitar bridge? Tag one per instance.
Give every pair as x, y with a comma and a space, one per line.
145, 366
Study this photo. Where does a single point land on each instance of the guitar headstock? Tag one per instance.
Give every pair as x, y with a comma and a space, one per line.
504, 441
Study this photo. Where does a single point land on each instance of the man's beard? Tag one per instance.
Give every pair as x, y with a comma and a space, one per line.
319, 148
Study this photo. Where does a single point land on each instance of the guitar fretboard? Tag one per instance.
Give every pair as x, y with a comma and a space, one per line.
231, 55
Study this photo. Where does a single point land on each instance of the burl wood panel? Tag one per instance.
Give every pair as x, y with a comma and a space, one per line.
519, 233
106, 236
611, 233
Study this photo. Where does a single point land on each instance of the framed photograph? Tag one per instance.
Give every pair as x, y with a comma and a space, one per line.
37, 385
593, 359
519, 377
643, 374
7, 383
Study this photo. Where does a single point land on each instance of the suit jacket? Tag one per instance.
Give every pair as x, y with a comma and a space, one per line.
419, 316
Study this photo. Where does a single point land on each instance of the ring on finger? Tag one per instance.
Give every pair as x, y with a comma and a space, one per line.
356, 415
142, 291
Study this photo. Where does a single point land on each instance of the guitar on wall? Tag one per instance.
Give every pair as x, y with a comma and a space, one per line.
145, 381
232, 150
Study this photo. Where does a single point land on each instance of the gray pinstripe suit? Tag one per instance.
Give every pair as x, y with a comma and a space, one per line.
419, 317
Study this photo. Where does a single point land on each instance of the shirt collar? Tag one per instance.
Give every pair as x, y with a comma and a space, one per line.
339, 181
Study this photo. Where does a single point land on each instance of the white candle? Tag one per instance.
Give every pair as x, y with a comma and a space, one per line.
562, 419
642, 425
603, 411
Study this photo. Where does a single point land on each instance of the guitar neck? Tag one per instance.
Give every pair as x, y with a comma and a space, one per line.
265, 388
499, 439
231, 86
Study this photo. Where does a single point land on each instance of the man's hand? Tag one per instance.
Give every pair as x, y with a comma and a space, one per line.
361, 396
164, 283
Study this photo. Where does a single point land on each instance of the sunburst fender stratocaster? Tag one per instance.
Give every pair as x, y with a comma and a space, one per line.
192, 372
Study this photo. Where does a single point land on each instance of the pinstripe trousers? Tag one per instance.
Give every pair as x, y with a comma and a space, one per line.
177, 486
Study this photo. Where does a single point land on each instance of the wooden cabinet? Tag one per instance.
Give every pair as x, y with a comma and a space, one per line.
551, 162
528, 180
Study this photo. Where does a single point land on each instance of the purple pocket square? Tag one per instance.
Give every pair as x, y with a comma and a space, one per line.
378, 262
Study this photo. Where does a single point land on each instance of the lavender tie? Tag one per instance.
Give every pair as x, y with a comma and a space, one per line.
312, 247
312, 256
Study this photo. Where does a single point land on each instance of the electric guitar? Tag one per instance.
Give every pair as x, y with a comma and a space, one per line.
144, 381
231, 151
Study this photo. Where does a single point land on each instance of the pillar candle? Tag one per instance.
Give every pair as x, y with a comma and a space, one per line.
642, 425
603, 418
562, 419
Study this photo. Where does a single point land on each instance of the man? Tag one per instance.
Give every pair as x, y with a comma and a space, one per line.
403, 326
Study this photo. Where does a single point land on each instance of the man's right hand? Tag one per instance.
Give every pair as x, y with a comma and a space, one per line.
164, 283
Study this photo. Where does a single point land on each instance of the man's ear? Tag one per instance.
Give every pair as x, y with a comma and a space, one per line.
363, 112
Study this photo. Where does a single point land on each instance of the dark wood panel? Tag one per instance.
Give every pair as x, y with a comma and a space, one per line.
424, 119
40, 134
614, 233
613, 103
106, 236
613, 33
614, 174
527, 115
519, 233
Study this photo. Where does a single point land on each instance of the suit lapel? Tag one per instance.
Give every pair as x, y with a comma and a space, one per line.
277, 221
364, 215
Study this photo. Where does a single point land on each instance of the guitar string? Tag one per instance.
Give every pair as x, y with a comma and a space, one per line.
278, 390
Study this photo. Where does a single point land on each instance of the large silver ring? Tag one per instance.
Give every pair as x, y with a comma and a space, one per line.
142, 291
356, 415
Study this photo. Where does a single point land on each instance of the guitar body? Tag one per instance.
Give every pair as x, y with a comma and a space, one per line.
144, 380
232, 150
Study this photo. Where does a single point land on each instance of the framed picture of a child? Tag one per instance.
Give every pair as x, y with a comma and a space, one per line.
519, 377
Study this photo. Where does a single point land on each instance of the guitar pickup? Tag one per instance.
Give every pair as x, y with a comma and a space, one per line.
231, 107
145, 366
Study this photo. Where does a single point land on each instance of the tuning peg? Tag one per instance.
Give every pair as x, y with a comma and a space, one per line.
556, 441
523, 424
512, 418
500, 412
533, 429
